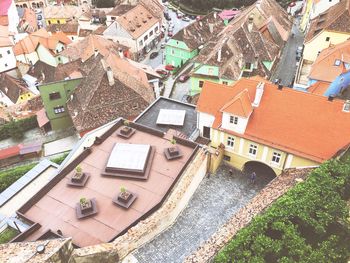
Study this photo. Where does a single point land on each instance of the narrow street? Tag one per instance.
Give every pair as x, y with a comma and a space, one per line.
287, 66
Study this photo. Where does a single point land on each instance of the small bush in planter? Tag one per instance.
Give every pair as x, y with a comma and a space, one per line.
124, 194
78, 176
85, 204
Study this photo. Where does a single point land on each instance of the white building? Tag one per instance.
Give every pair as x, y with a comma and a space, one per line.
7, 57
138, 29
321, 6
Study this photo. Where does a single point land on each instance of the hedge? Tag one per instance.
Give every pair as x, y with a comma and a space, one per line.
308, 224
9, 176
17, 127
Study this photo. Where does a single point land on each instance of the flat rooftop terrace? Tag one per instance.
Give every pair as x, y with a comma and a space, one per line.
55, 208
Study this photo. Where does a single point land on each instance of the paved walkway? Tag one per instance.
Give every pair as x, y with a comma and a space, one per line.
214, 202
286, 68
60, 146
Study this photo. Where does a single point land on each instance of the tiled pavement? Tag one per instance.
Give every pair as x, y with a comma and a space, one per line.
214, 202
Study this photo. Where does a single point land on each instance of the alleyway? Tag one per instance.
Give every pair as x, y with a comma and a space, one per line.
214, 202
286, 68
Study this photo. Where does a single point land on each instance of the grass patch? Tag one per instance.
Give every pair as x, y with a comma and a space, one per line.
10, 176
8, 234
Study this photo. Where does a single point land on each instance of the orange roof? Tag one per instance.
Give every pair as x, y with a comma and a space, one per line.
319, 87
29, 44
239, 105
137, 21
324, 67
285, 119
4, 20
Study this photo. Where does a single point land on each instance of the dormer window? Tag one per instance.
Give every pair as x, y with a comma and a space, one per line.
234, 120
337, 62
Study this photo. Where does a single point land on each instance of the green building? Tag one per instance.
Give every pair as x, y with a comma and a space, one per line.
187, 43
54, 96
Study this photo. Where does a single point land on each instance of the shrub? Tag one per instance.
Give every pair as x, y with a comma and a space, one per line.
16, 128
9, 176
307, 224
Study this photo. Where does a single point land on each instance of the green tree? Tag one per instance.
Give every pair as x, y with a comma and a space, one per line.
16, 130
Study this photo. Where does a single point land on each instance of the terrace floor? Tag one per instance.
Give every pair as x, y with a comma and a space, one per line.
214, 202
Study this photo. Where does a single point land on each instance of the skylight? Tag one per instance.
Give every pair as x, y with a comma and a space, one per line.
171, 117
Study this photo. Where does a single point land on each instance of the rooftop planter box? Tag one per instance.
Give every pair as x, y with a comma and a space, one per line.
79, 178
125, 198
172, 153
86, 208
125, 132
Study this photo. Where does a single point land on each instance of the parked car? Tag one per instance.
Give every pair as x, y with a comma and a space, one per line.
167, 39
169, 67
179, 15
292, 4
193, 17
162, 45
299, 52
39, 17
167, 16
162, 35
185, 18
170, 33
184, 77
198, 18
162, 72
153, 55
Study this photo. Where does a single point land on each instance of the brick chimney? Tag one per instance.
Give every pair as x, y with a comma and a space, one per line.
110, 76
250, 23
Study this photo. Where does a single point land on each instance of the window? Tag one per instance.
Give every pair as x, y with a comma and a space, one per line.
8, 52
156, 29
54, 96
49, 22
146, 37
201, 82
337, 62
0, 56
58, 22
276, 157
248, 65
234, 120
327, 39
227, 158
230, 141
59, 58
6, 65
113, 18
141, 43
225, 82
253, 149
151, 33
58, 109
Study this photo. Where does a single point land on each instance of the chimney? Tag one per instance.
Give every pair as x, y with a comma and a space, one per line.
200, 23
331, 97
110, 76
258, 94
250, 23
215, 14
280, 86
121, 54
211, 27
96, 52
219, 55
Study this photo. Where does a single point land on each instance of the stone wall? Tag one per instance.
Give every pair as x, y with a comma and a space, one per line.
276, 188
147, 229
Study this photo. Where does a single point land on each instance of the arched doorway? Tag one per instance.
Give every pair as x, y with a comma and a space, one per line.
263, 171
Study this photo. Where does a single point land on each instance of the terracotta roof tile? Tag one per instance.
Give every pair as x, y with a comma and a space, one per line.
120, 10
336, 18
240, 105
318, 88
282, 123
137, 21
324, 68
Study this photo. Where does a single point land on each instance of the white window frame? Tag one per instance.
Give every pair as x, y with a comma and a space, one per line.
276, 158
230, 142
234, 120
253, 150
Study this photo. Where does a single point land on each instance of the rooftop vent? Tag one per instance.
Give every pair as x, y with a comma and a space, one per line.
138, 25
258, 94
280, 86
346, 106
149, 16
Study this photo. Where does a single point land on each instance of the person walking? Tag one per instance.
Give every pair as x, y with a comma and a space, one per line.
253, 177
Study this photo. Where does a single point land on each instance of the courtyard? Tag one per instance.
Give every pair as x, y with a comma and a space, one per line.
217, 198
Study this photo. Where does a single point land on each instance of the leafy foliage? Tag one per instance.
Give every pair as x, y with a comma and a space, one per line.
308, 224
9, 176
8, 234
15, 129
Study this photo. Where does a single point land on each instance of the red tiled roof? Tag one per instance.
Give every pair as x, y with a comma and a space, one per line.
319, 87
9, 152
300, 123
240, 105
41, 117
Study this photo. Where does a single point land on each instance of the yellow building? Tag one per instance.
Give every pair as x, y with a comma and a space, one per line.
260, 126
61, 14
305, 19
329, 28
13, 91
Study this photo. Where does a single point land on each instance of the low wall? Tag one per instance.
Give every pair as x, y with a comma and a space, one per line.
149, 228
276, 188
